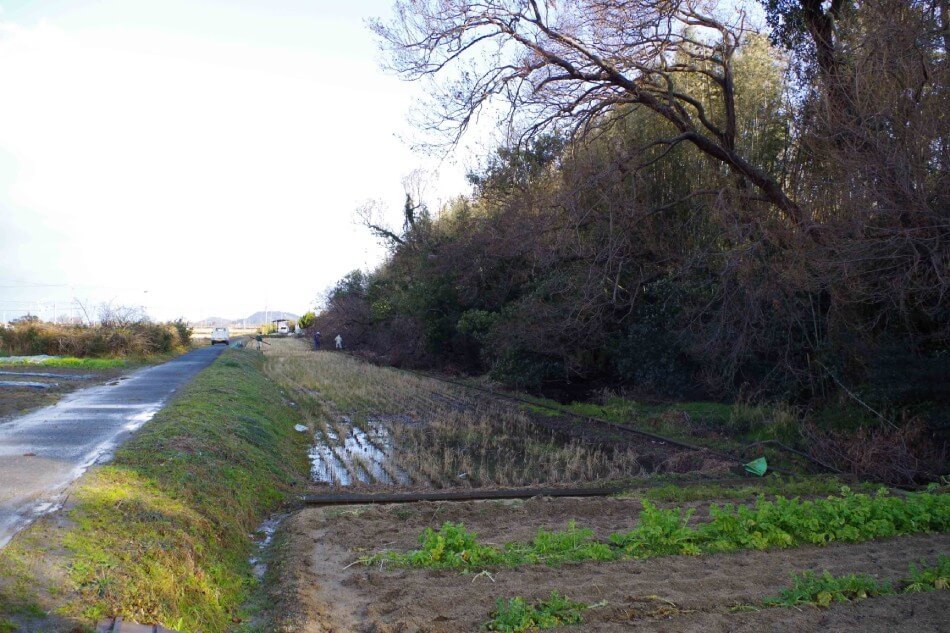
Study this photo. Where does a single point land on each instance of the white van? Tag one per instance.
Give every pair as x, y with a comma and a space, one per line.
220, 335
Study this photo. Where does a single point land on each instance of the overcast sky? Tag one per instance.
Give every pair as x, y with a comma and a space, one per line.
197, 157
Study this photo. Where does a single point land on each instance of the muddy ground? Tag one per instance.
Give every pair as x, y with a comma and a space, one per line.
320, 589
16, 401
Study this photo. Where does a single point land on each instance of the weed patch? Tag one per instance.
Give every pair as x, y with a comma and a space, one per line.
821, 590
770, 485
515, 614
72, 361
929, 579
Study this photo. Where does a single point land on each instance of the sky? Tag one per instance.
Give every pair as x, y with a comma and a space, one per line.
196, 157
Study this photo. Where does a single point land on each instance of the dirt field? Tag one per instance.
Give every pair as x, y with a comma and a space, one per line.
322, 590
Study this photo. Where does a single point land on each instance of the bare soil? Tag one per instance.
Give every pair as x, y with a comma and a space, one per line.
319, 589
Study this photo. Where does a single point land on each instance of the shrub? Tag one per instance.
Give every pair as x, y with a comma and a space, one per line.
112, 339
307, 320
525, 370
183, 330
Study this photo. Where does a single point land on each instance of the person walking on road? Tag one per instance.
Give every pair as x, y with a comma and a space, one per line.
339, 341
316, 341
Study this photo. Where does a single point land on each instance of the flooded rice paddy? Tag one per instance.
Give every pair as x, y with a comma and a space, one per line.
378, 427
457, 447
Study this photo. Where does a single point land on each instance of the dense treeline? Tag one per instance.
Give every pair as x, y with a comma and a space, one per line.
688, 205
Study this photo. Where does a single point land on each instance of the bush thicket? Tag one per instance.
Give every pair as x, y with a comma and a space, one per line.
30, 336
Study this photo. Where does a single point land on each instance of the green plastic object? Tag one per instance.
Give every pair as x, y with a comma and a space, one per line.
757, 466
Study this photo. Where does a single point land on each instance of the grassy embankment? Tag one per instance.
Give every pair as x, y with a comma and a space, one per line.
163, 533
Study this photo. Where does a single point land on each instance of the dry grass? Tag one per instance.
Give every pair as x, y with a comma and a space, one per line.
377, 425
141, 338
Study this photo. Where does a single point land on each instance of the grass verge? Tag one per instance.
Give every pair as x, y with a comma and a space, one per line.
72, 361
772, 485
163, 533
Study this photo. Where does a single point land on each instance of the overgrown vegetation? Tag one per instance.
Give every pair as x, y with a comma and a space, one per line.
766, 524
162, 534
72, 361
823, 589
516, 615
771, 485
718, 210
840, 436
115, 335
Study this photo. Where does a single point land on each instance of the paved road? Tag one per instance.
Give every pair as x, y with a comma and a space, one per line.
43, 452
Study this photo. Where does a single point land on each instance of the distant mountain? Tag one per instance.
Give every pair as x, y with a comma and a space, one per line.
258, 318
213, 322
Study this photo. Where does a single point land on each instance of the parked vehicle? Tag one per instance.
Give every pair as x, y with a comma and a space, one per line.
220, 335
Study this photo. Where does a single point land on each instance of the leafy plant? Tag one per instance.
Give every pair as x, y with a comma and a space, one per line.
929, 579
659, 533
307, 320
515, 615
664, 532
822, 590
572, 544
452, 546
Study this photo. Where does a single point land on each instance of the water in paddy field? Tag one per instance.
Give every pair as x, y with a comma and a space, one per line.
400, 450
361, 455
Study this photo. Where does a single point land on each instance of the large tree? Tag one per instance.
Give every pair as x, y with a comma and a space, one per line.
568, 65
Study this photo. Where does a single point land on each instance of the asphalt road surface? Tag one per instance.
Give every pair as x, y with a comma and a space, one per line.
41, 453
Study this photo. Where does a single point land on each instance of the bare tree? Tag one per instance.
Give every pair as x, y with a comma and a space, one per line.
580, 65
370, 215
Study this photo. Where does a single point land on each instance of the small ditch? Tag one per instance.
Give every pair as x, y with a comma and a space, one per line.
265, 535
